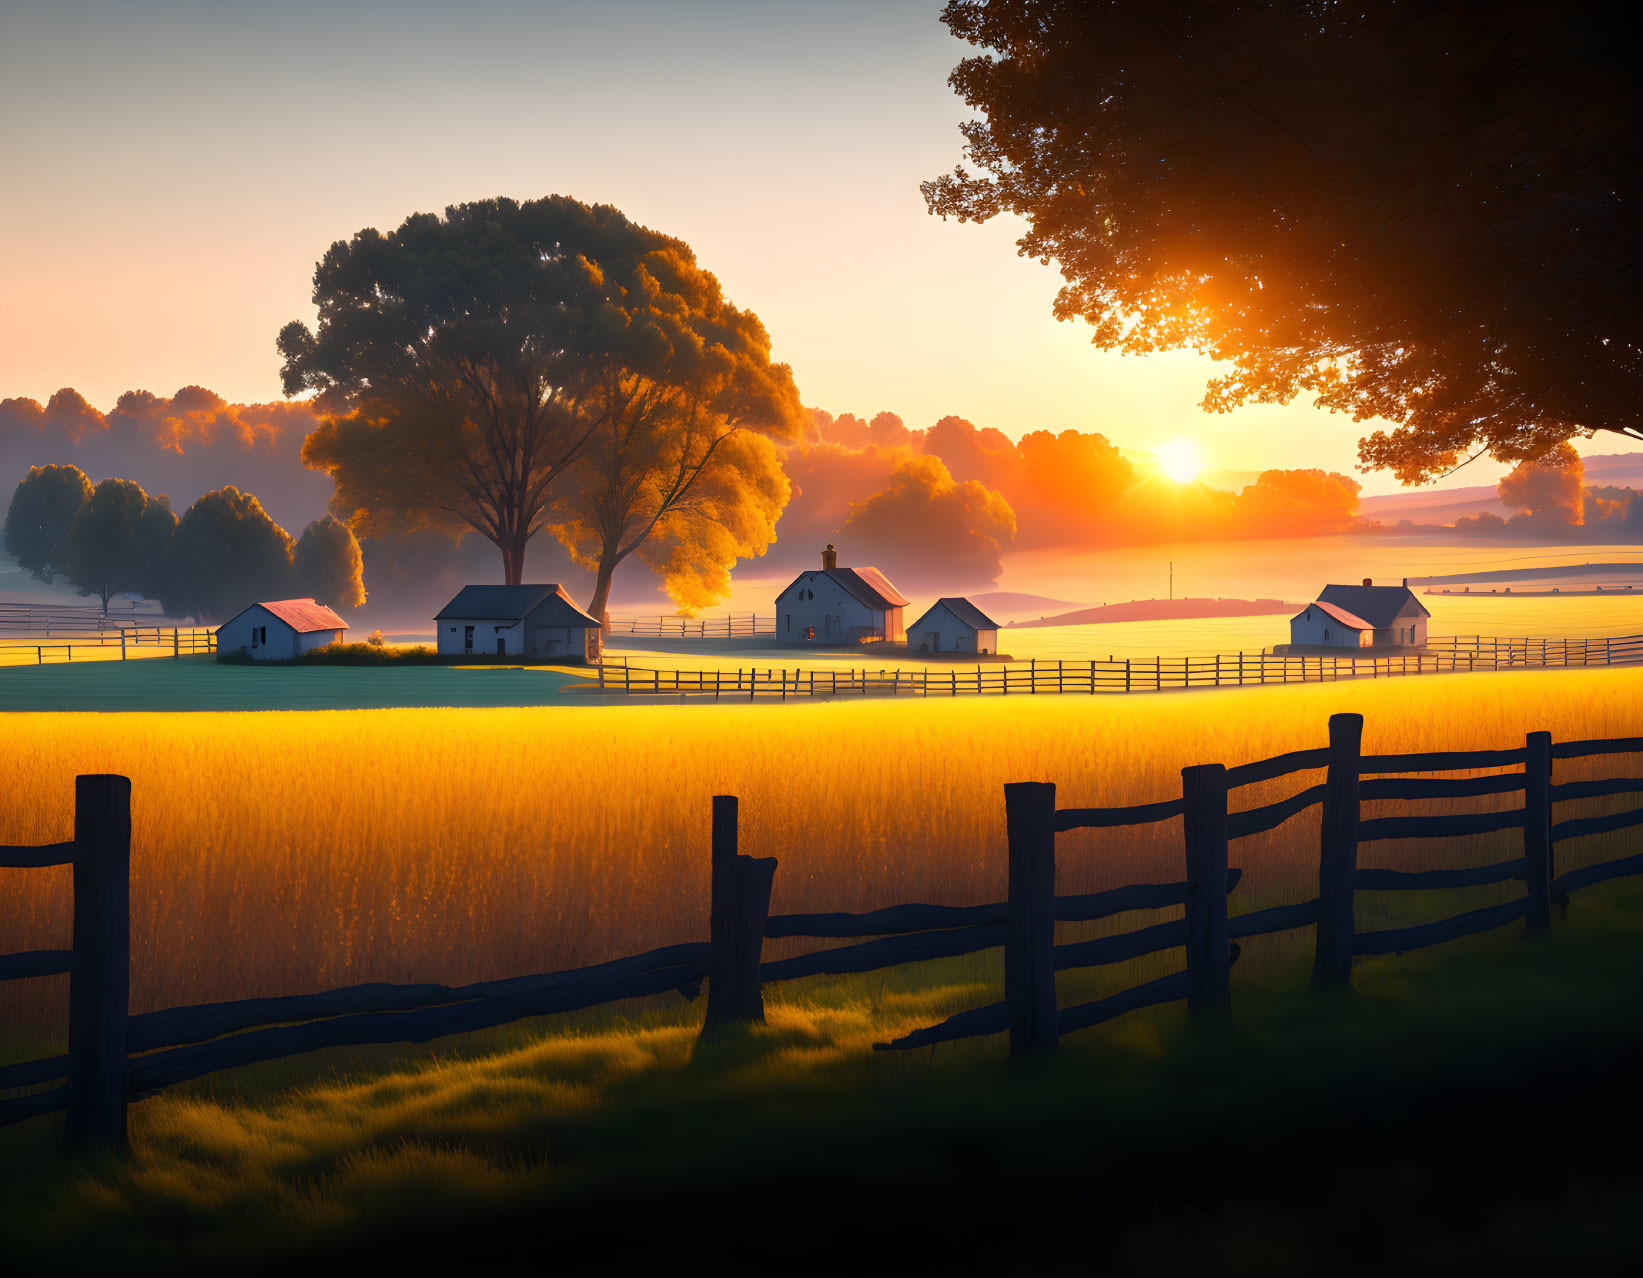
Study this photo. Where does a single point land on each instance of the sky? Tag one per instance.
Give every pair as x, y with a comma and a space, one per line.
175, 168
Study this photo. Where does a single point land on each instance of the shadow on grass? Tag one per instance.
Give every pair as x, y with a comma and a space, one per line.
1468, 1107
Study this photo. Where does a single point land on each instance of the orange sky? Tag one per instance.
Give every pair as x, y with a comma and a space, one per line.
175, 169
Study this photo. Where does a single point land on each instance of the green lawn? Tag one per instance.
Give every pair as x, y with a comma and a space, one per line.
1470, 1108
202, 683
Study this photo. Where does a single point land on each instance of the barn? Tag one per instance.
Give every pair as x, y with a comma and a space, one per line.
527, 621
833, 605
953, 625
280, 630
1366, 616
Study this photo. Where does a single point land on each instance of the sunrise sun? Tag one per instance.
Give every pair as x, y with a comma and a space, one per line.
1181, 460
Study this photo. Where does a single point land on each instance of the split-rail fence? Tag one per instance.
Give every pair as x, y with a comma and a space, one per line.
735, 625
113, 1057
1129, 674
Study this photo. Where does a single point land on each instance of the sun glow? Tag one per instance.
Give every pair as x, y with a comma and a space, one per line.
1181, 460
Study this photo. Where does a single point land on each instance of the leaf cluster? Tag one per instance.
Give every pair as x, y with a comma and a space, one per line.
1425, 211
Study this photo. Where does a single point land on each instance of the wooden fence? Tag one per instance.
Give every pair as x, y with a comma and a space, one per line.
113, 1057
1131, 674
43, 618
178, 641
737, 625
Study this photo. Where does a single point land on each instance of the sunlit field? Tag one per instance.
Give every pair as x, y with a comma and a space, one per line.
288, 852
1579, 617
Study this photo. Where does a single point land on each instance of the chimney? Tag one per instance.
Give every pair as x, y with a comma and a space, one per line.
1406, 583
1369, 581
830, 557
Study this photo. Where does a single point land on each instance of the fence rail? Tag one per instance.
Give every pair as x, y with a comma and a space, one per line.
113, 1057
1135, 674
179, 641
736, 625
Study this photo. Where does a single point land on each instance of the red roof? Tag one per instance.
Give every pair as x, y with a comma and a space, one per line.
1350, 620
304, 615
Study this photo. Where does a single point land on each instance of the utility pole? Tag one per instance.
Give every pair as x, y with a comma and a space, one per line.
1172, 579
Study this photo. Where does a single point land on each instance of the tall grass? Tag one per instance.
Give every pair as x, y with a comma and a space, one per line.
287, 852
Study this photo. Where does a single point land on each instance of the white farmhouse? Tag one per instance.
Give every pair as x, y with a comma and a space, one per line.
953, 625
1366, 616
833, 605
280, 629
534, 621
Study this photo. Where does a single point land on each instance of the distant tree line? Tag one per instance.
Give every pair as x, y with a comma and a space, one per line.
224, 553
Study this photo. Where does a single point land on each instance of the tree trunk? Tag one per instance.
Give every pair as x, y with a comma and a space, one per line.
601, 589
513, 559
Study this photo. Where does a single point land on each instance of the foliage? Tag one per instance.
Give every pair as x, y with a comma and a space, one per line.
1423, 212
228, 553
954, 531
690, 500
42, 511
327, 564
119, 541
465, 362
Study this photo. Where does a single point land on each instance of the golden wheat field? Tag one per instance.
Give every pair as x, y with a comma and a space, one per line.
288, 852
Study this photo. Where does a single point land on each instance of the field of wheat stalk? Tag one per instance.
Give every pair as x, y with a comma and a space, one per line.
281, 853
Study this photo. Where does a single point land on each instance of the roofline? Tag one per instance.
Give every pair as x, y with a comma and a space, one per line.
318, 630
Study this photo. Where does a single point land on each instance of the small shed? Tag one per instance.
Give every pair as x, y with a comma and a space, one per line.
1366, 616
534, 621
833, 605
280, 629
953, 625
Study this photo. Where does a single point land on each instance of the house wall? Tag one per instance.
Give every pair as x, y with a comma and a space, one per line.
486, 632
1316, 628
940, 631
284, 643
524, 638
836, 616
312, 639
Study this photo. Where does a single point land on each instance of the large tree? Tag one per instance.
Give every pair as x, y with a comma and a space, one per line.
1421, 210
119, 540
42, 511
464, 362
682, 469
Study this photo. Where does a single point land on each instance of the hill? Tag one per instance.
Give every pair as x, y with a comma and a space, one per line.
1165, 610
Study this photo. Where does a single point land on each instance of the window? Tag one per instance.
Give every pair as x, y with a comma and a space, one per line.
1326, 634
789, 623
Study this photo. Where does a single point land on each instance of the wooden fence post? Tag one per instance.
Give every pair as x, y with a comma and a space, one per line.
1338, 856
740, 906
1209, 956
99, 989
1537, 830
1029, 918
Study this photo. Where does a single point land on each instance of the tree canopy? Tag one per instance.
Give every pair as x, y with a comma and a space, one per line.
465, 363
120, 540
228, 553
42, 511
327, 564
1425, 211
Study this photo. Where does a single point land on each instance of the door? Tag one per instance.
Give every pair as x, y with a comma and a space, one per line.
935, 641
467, 638
502, 645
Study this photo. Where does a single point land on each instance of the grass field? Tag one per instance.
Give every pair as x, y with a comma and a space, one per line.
1470, 1109
286, 852
202, 683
